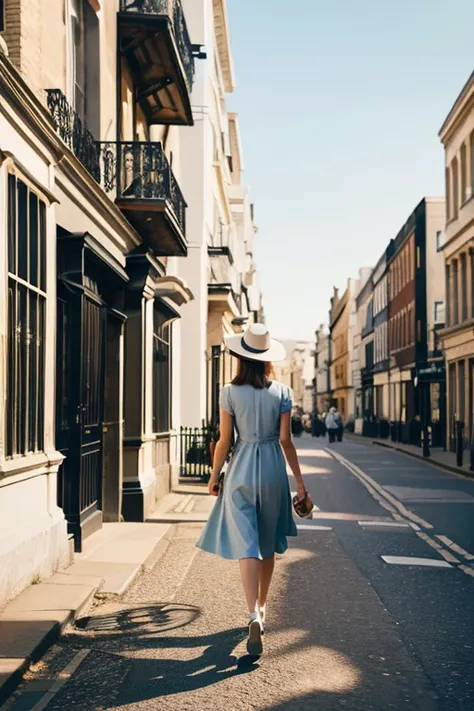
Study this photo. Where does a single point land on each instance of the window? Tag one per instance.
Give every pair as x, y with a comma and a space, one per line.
2, 16
471, 259
463, 173
26, 319
455, 181
461, 390
471, 142
439, 312
448, 294
161, 373
77, 57
455, 291
463, 267
447, 176
439, 240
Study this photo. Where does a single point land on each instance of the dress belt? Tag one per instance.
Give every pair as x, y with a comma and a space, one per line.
263, 440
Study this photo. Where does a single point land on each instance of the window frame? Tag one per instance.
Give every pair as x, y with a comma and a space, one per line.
162, 342
27, 304
439, 306
455, 186
440, 237
463, 171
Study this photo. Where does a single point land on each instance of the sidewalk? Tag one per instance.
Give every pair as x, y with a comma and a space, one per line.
112, 559
438, 457
188, 503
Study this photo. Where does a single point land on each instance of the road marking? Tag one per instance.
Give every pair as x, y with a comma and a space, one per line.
434, 544
380, 494
384, 523
309, 527
454, 546
406, 560
61, 679
385, 499
466, 569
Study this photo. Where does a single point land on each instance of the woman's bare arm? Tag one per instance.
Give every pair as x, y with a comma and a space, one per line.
290, 451
222, 447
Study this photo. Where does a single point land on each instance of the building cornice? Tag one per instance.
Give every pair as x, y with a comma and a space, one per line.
221, 24
461, 108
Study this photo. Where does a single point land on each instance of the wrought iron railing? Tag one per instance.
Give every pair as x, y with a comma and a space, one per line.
140, 171
174, 10
196, 445
73, 131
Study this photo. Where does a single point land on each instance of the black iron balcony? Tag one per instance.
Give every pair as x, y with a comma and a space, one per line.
73, 131
155, 41
140, 179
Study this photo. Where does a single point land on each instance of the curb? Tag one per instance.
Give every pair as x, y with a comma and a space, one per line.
11, 675
14, 679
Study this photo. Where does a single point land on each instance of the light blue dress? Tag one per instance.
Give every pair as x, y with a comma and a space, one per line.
253, 515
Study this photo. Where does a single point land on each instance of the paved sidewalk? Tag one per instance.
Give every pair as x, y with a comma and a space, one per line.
187, 503
438, 457
112, 559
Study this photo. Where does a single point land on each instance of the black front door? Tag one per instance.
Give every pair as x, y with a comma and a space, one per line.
80, 407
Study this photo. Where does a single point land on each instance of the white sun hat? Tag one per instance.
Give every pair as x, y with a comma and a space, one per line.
256, 344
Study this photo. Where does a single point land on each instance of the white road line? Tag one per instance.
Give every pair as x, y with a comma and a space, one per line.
406, 560
434, 544
454, 546
309, 527
386, 500
62, 678
466, 569
384, 523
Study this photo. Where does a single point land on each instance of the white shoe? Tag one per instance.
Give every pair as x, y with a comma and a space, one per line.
254, 642
262, 614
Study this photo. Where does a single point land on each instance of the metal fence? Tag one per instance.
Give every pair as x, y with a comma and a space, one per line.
196, 446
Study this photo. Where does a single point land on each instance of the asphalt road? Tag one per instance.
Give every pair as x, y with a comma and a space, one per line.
346, 628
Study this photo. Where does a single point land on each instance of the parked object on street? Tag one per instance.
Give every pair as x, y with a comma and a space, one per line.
256, 484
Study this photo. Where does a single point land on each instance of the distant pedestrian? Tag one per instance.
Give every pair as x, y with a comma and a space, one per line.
334, 425
253, 514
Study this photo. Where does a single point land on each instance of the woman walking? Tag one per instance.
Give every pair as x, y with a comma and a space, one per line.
253, 515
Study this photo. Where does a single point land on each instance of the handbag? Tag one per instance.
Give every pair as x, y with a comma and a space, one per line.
303, 507
217, 488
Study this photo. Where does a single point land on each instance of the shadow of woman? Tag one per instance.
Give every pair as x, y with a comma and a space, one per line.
165, 675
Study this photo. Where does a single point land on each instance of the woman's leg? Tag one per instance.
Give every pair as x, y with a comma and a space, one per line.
265, 578
249, 572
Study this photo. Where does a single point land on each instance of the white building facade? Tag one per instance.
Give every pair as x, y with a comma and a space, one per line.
92, 225
220, 268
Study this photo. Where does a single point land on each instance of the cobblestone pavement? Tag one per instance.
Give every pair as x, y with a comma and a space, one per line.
345, 628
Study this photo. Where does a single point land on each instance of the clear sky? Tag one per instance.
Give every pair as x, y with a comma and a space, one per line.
340, 104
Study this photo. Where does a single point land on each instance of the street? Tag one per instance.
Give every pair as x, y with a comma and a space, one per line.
351, 623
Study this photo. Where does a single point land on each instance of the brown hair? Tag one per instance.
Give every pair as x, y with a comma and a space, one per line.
256, 373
